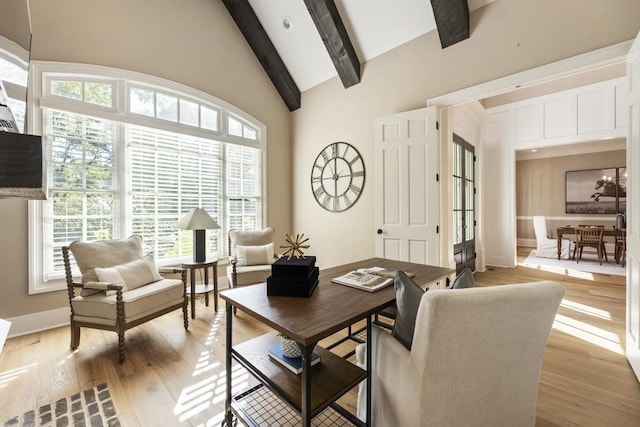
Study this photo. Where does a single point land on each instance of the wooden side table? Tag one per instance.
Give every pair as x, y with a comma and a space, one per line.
203, 288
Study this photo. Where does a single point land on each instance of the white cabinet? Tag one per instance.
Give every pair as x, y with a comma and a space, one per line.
558, 114
597, 111
528, 124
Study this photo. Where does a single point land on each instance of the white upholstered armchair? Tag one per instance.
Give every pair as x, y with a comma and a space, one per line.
120, 288
547, 247
475, 359
251, 254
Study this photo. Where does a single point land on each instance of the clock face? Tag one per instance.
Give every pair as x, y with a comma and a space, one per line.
337, 177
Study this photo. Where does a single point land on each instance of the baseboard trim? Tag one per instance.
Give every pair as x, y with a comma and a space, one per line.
36, 322
528, 243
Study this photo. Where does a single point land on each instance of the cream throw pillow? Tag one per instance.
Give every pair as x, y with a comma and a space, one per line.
255, 255
131, 275
104, 253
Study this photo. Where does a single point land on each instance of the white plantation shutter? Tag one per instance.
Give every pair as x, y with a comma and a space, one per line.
243, 187
171, 174
80, 164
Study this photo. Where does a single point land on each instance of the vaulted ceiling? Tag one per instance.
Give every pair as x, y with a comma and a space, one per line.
301, 43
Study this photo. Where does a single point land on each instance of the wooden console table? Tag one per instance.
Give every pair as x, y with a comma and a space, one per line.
572, 231
331, 308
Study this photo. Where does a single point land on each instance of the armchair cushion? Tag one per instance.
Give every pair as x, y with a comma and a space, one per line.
132, 274
104, 253
139, 302
408, 296
249, 238
249, 274
254, 255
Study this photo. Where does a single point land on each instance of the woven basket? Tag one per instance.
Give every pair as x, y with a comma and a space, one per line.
290, 348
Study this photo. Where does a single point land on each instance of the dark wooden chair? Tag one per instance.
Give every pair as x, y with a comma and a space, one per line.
590, 237
621, 247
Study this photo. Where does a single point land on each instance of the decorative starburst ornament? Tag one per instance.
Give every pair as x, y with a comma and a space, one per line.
295, 246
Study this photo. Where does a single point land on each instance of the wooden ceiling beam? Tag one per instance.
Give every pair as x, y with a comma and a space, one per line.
452, 20
327, 19
248, 23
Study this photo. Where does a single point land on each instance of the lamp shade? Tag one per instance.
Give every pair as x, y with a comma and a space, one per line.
197, 219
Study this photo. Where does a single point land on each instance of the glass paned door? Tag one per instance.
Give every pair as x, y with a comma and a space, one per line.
464, 222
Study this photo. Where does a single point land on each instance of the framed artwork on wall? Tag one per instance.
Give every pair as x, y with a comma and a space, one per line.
596, 191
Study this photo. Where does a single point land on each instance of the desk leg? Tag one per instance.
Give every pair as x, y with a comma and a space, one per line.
206, 283
369, 368
192, 272
228, 419
307, 351
215, 287
559, 244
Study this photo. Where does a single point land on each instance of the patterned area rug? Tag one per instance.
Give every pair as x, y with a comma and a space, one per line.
93, 407
589, 263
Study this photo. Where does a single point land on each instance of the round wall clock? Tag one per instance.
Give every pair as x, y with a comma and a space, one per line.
337, 177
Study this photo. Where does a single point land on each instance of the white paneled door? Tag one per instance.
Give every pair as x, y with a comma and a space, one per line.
633, 209
407, 196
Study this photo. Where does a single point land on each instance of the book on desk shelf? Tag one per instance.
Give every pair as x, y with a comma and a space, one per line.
294, 364
365, 279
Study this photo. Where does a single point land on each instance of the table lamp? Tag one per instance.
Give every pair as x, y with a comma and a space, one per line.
199, 221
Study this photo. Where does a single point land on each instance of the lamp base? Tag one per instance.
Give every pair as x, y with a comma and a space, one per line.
199, 246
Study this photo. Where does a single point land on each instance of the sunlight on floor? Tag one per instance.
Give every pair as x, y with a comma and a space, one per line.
201, 396
559, 270
592, 334
585, 309
7, 376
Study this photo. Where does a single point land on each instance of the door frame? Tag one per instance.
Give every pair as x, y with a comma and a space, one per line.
464, 98
466, 147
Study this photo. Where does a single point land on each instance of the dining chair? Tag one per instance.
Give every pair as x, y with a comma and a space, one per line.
590, 236
620, 251
545, 246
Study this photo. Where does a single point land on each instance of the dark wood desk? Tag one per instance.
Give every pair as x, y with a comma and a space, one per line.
331, 308
570, 230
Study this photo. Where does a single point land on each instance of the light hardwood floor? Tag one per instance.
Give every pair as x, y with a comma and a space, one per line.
172, 377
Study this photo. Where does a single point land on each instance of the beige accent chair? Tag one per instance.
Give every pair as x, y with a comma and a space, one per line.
120, 288
251, 254
475, 359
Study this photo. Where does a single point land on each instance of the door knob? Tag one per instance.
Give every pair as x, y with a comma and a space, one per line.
379, 231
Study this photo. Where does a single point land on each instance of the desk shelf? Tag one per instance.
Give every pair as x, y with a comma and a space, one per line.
330, 379
259, 406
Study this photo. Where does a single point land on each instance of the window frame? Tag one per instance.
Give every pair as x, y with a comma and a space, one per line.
40, 98
15, 54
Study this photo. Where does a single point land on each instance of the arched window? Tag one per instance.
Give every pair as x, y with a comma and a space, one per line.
128, 153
